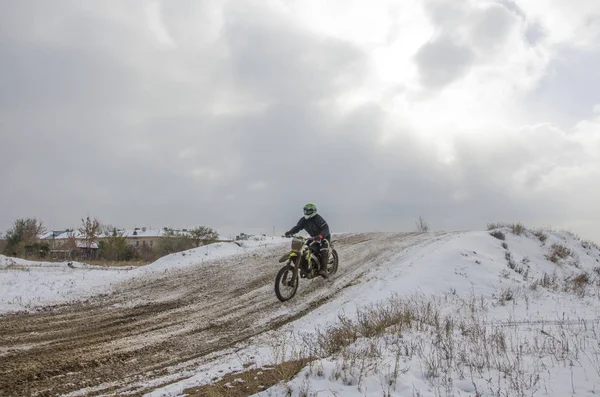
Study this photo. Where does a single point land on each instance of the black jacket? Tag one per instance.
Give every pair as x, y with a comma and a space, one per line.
314, 226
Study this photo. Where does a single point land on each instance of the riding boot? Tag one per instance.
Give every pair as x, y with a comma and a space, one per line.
324, 261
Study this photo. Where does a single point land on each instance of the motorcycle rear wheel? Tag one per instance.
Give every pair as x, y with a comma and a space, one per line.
332, 265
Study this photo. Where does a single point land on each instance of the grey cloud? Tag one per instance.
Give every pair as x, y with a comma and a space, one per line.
491, 26
568, 92
447, 14
451, 53
534, 33
278, 62
442, 61
125, 128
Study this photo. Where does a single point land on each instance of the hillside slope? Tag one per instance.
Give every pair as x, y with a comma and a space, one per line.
468, 314
423, 314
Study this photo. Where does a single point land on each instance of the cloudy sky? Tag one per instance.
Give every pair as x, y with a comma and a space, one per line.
234, 114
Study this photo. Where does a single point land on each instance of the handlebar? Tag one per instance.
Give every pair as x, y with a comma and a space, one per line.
295, 236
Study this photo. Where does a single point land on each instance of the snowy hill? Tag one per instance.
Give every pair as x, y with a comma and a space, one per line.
469, 315
421, 314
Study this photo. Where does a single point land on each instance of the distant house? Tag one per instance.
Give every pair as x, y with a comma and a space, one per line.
142, 237
63, 241
138, 237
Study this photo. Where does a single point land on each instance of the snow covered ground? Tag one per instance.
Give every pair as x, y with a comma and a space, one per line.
30, 285
488, 321
466, 314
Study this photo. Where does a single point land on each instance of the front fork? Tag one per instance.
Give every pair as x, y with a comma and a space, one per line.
295, 265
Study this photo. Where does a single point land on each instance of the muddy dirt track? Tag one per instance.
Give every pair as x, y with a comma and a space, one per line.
149, 325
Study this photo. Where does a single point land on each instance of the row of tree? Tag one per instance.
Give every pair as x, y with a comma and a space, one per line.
99, 241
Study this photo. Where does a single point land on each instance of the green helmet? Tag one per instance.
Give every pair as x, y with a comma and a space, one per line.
310, 210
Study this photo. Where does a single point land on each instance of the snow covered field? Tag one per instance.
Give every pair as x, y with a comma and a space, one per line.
27, 285
434, 314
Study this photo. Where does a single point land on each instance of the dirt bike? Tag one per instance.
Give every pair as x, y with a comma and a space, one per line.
302, 262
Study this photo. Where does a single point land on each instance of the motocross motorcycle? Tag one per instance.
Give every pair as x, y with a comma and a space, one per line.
302, 262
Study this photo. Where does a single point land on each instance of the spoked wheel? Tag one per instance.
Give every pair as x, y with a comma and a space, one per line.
286, 284
332, 265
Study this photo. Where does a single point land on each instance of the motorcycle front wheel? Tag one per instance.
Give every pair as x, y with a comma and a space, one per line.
286, 284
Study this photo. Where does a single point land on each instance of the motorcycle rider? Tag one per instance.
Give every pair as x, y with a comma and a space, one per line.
318, 229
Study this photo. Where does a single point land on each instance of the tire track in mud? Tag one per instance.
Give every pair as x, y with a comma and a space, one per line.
148, 325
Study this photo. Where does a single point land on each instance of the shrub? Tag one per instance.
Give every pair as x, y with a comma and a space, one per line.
540, 235
174, 241
558, 252
506, 295
37, 250
25, 231
498, 234
203, 235
581, 280
578, 283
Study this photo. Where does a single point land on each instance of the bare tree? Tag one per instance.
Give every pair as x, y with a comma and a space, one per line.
89, 230
70, 242
422, 225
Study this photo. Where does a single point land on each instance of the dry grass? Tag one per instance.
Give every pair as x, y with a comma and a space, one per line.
494, 226
578, 283
96, 262
558, 252
497, 358
540, 235
459, 345
396, 315
251, 381
506, 295
93, 262
516, 228
588, 244
548, 281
